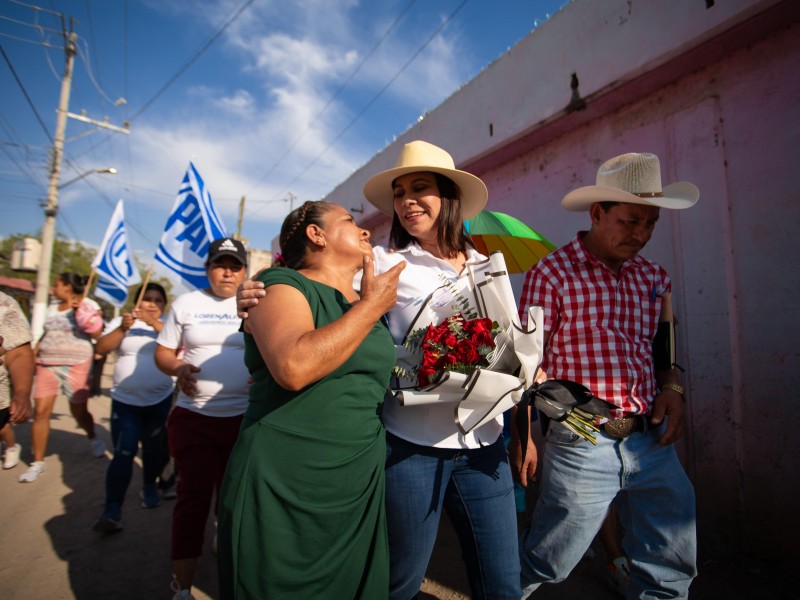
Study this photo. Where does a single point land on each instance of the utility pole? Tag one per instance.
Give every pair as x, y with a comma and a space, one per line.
292, 198
42, 294
40, 299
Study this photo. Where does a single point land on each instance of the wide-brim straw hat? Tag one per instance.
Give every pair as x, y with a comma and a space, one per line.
420, 156
634, 178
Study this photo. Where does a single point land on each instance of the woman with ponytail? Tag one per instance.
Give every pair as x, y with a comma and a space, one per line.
64, 356
302, 507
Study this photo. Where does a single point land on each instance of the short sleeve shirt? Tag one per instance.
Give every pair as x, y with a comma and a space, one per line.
207, 328
137, 380
63, 342
601, 324
16, 332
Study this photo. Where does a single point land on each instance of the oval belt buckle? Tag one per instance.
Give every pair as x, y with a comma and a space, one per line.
619, 428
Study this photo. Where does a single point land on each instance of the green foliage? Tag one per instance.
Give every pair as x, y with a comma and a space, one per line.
67, 256
70, 256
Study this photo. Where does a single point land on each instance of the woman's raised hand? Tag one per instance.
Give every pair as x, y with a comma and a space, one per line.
127, 320
380, 289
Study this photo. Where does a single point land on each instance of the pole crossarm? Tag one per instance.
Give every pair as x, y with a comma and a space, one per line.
104, 123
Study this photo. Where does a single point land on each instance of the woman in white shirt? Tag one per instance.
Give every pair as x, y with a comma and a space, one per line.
140, 401
202, 347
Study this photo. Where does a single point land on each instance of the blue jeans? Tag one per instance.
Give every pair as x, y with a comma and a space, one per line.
476, 490
656, 508
129, 425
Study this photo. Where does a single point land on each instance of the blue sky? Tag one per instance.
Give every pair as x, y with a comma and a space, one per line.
290, 97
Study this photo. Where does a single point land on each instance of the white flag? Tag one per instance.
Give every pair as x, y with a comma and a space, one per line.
114, 265
191, 227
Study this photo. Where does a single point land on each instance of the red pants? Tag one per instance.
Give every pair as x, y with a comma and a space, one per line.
200, 446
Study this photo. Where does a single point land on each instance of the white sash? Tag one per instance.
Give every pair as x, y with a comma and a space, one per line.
486, 392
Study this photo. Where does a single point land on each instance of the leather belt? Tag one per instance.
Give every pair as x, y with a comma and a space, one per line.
624, 426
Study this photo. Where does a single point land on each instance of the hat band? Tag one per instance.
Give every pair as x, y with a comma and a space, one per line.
649, 195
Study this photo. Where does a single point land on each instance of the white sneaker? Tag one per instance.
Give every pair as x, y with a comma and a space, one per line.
33, 472
98, 447
179, 593
12, 456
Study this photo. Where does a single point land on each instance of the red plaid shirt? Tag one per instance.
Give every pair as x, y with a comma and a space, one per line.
601, 325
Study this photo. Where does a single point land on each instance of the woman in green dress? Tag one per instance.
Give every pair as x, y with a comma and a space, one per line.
302, 506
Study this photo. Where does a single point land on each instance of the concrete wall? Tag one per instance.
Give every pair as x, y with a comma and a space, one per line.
711, 88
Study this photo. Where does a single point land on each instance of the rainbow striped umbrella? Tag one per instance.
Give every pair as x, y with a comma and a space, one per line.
521, 245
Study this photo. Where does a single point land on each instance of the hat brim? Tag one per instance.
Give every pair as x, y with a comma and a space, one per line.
474, 195
227, 253
676, 196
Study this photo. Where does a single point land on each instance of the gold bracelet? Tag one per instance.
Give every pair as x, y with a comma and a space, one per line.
675, 387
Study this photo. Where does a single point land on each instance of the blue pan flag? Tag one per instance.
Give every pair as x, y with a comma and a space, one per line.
114, 265
191, 227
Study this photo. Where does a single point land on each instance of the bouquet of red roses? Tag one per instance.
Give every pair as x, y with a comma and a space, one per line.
457, 344
466, 347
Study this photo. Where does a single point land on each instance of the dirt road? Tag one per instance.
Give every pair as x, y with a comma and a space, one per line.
49, 550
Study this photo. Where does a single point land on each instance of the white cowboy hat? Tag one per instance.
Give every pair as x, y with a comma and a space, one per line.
421, 156
634, 178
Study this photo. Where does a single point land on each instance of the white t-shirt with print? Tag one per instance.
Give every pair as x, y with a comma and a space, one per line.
424, 275
137, 379
208, 330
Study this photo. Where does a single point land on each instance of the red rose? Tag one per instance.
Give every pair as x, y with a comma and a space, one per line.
430, 359
426, 376
448, 339
478, 325
448, 360
483, 338
430, 333
466, 353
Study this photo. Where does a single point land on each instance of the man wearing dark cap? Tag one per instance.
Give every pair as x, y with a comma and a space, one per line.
604, 307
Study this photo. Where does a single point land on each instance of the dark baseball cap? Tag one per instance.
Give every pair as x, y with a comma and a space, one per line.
227, 247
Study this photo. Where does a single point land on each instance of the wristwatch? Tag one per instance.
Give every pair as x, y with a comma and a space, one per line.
675, 387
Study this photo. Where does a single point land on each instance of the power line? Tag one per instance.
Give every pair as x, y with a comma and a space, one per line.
375, 97
27, 97
19, 39
21, 168
31, 25
192, 60
35, 8
333, 97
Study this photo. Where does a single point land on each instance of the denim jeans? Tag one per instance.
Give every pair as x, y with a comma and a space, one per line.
475, 488
129, 425
656, 508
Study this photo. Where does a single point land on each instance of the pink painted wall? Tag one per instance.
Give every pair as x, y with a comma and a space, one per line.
716, 96
732, 129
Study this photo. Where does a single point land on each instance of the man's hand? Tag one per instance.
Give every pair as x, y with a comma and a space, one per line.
669, 403
523, 470
247, 296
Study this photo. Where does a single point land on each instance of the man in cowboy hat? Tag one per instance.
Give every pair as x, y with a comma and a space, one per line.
603, 308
